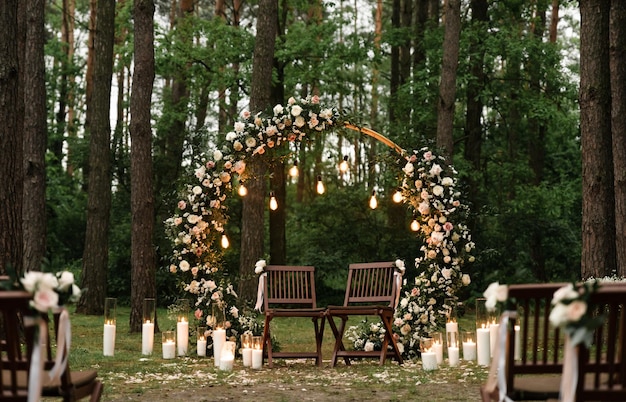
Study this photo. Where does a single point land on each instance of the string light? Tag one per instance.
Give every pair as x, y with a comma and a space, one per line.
320, 185
373, 201
273, 202
344, 166
243, 191
225, 241
397, 196
415, 225
293, 171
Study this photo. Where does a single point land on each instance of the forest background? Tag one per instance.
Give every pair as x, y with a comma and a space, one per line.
525, 101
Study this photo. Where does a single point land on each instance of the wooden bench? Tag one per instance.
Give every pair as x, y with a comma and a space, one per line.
17, 348
371, 290
289, 291
537, 374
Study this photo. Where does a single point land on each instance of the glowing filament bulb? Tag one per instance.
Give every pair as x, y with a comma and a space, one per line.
343, 166
373, 201
243, 191
293, 171
397, 196
225, 242
273, 202
320, 185
415, 226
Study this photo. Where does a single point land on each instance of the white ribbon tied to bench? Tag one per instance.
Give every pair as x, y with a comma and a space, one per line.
497, 373
260, 290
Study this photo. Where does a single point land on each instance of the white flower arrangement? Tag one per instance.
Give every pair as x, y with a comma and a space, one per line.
570, 312
50, 291
495, 293
259, 267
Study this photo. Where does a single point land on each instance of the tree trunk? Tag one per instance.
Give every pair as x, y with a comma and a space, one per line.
96, 253
35, 138
10, 142
447, 87
252, 227
618, 125
598, 220
143, 262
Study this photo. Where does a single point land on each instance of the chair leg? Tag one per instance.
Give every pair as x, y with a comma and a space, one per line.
319, 336
267, 342
338, 333
387, 322
96, 393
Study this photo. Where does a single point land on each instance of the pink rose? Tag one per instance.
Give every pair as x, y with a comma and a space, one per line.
198, 314
182, 204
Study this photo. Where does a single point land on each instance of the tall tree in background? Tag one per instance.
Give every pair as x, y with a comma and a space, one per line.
598, 220
143, 283
260, 98
618, 125
447, 86
10, 142
35, 138
96, 253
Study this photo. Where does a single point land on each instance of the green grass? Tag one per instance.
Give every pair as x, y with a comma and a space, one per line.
130, 376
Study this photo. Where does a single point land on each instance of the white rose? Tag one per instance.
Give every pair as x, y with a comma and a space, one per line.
369, 346
44, 299
278, 109
558, 315
237, 146
239, 127
438, 191
408, 168
197, 190
231, 136
466, 280
296, 110
184, 266
250, 142
447, 181
66, 280
435, 170
30, 280
217, 155
565, 293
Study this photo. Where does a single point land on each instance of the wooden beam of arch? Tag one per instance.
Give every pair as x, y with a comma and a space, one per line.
376, 136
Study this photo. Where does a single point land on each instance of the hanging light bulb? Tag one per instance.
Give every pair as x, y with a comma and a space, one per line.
373, 201
273, 202
397, 196
344, 166
225, 241
320, 185
415, 225
293, 171
243, 191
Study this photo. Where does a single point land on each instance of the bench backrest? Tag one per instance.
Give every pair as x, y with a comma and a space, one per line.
288, 285
371, 283
602, 367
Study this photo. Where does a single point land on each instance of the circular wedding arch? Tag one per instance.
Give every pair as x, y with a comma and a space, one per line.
428, 187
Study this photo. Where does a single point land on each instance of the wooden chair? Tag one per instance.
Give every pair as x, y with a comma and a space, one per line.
371, 290
16, 357
602, 368
536, 375
289, 291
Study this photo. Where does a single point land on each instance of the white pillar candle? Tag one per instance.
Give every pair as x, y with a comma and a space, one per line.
429, 361
147, 338
201, 347
227, 360
257, 358
246, 355
469, 350
108, 340
453, 356
493, 337
169, 349
219, 337
182, 337
518, 343
483, 346
438, 349
452, 332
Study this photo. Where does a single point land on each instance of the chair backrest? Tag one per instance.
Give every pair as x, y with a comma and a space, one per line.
541, 343
371, 283
288, 285
602, 367
14, 358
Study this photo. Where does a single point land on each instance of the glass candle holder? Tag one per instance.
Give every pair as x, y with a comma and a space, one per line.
201, 340
219, 314
452, 326
257, 352
227, 356
483, 333
429, 358
438, 346
246, 349
110, 319
469, 346
147, 329
168, 344
182, 326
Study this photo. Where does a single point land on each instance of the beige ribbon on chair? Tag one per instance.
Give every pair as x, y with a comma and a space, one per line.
569, 379
37, 358
397, 275
260, 290
497, 371
64, 340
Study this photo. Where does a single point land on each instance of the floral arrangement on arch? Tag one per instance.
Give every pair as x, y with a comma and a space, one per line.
197, 226
430, 188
